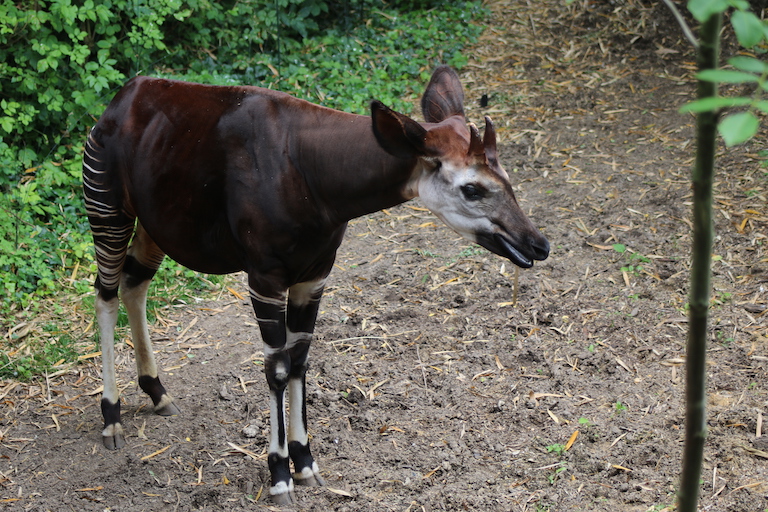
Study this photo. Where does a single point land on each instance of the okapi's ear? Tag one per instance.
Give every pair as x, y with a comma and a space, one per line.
444, 96
397, 134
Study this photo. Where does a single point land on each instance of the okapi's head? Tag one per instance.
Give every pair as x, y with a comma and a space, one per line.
459, 177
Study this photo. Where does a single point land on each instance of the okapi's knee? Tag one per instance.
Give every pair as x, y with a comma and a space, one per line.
277, 368
102, 292
135, 273
299, 353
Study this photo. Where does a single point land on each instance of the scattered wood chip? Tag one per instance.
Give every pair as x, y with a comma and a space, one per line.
553, 416
234, 292
247, 452
571, 440
340, 492
89, 356
155, 454
623, 365
755, 451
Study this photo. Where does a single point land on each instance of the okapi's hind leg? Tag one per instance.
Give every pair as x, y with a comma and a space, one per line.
143, 259
112, 229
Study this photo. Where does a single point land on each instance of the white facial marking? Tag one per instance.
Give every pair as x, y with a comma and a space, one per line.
441, 192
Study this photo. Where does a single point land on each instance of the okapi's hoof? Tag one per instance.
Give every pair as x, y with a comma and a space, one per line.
285, 498
314, 480
167, 408
113, 437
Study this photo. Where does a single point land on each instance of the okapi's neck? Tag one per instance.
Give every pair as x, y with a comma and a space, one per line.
348, 171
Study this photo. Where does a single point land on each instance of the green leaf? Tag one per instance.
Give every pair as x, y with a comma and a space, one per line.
749, 64
726, 76
703, 9
762, 105
748, 28
738, 128
714, 103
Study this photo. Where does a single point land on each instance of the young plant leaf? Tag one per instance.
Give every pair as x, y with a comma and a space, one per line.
748, 28
742, 5
714, 103
738, 128
762, 105
749, 64
726, 76
703, 9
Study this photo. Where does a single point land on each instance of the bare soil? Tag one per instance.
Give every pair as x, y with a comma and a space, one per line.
431, 387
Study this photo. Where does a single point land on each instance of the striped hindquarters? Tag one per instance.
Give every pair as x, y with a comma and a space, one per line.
111, 226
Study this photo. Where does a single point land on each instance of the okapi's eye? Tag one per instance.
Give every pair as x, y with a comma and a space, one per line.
472, 192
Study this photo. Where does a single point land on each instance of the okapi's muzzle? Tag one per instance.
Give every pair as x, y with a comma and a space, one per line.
522, 250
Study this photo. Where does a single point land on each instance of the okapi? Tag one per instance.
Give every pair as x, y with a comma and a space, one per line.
226, 179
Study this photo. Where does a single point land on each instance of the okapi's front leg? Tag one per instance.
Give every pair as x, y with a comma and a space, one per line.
303, 303
270, 307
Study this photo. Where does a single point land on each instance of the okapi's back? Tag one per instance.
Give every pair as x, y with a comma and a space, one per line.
165, 161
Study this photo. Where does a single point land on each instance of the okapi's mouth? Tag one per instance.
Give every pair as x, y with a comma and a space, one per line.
521, 254
511, 252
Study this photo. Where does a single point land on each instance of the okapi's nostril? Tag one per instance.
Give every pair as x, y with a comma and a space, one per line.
540, 248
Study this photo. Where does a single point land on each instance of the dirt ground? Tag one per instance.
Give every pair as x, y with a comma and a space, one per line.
430, 387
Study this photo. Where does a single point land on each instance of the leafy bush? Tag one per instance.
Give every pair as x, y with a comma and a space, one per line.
62, 60
752, 34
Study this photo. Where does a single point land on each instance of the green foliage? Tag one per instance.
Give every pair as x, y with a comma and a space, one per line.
557, 448
752, 34
38, 355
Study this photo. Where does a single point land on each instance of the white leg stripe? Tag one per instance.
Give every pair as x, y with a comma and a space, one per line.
303, 293
291, 338
281, 488
113, 430
164, 402
274, 428
106, 316
275, 301
135, 300
307, 472
296, 430
267, 320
